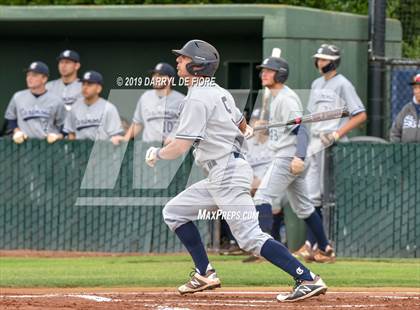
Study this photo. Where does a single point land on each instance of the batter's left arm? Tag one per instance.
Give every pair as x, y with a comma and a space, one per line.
175, 148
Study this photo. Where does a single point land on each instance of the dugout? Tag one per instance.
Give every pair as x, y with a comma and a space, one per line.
126, 41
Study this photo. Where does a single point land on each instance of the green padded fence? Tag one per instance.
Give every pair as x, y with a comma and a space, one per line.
78, 196
377, 192
48, 202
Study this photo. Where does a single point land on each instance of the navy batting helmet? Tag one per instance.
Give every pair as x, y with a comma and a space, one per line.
205, 57
277, 64
329, 52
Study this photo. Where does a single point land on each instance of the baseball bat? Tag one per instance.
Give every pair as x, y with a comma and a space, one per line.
309, 118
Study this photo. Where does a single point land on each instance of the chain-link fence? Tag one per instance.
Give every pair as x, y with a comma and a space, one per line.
49, 200
377, 194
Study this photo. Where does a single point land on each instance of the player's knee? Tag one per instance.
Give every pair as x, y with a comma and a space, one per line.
304, 214
169, 218
255, 243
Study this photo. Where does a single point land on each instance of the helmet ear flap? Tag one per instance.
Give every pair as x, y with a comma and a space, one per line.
190, 68
281, 77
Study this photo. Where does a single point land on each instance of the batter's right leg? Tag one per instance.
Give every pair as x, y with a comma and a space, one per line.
178, 214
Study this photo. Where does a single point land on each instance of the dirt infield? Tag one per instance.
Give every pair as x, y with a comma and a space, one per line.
167, 299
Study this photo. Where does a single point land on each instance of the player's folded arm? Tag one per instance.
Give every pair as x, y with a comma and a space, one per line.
302, 140
12, 124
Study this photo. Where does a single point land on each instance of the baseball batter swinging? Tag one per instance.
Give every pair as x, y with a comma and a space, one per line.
211, 122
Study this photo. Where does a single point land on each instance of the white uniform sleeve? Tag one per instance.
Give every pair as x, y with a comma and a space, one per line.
11, 111
70, 123
237, 116
192, 121
138, 117
351, 99
112, 124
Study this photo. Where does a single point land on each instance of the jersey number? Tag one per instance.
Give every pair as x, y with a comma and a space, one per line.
167, 127
224, 100
273, 134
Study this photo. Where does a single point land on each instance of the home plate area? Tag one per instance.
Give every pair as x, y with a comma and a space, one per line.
222, 299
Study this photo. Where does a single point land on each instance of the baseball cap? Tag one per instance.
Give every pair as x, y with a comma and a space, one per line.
38, 67
416, 79
164, 68
69, 54
93, 77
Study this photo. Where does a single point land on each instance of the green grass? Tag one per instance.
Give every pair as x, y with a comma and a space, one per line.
170, 271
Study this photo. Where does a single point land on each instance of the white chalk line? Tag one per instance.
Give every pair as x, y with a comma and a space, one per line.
92, 297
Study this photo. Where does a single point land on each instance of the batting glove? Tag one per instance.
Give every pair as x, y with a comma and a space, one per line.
329, 138
19, 137
152, 156
297, 166
249, 132
53, 137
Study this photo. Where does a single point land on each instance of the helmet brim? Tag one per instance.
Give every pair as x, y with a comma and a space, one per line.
259, 67
325, 56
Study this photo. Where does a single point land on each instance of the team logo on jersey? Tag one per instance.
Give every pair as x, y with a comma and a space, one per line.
35, 113
409, 122
299, 271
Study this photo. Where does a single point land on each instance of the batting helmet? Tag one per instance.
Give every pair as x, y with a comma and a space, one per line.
277, 64
329, 52
205, 57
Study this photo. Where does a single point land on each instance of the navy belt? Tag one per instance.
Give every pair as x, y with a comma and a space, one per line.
238, 155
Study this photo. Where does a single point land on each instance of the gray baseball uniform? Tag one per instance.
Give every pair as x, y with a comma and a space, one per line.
278, 180
157, 114
326, 95
69, 93
36, 116
259, 156
210, 118
98, 121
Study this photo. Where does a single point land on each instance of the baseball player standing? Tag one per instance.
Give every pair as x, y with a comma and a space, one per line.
93, 117
286, 172
406, 126
157, 109
210, 121
328, 92
35, 112
67, 87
